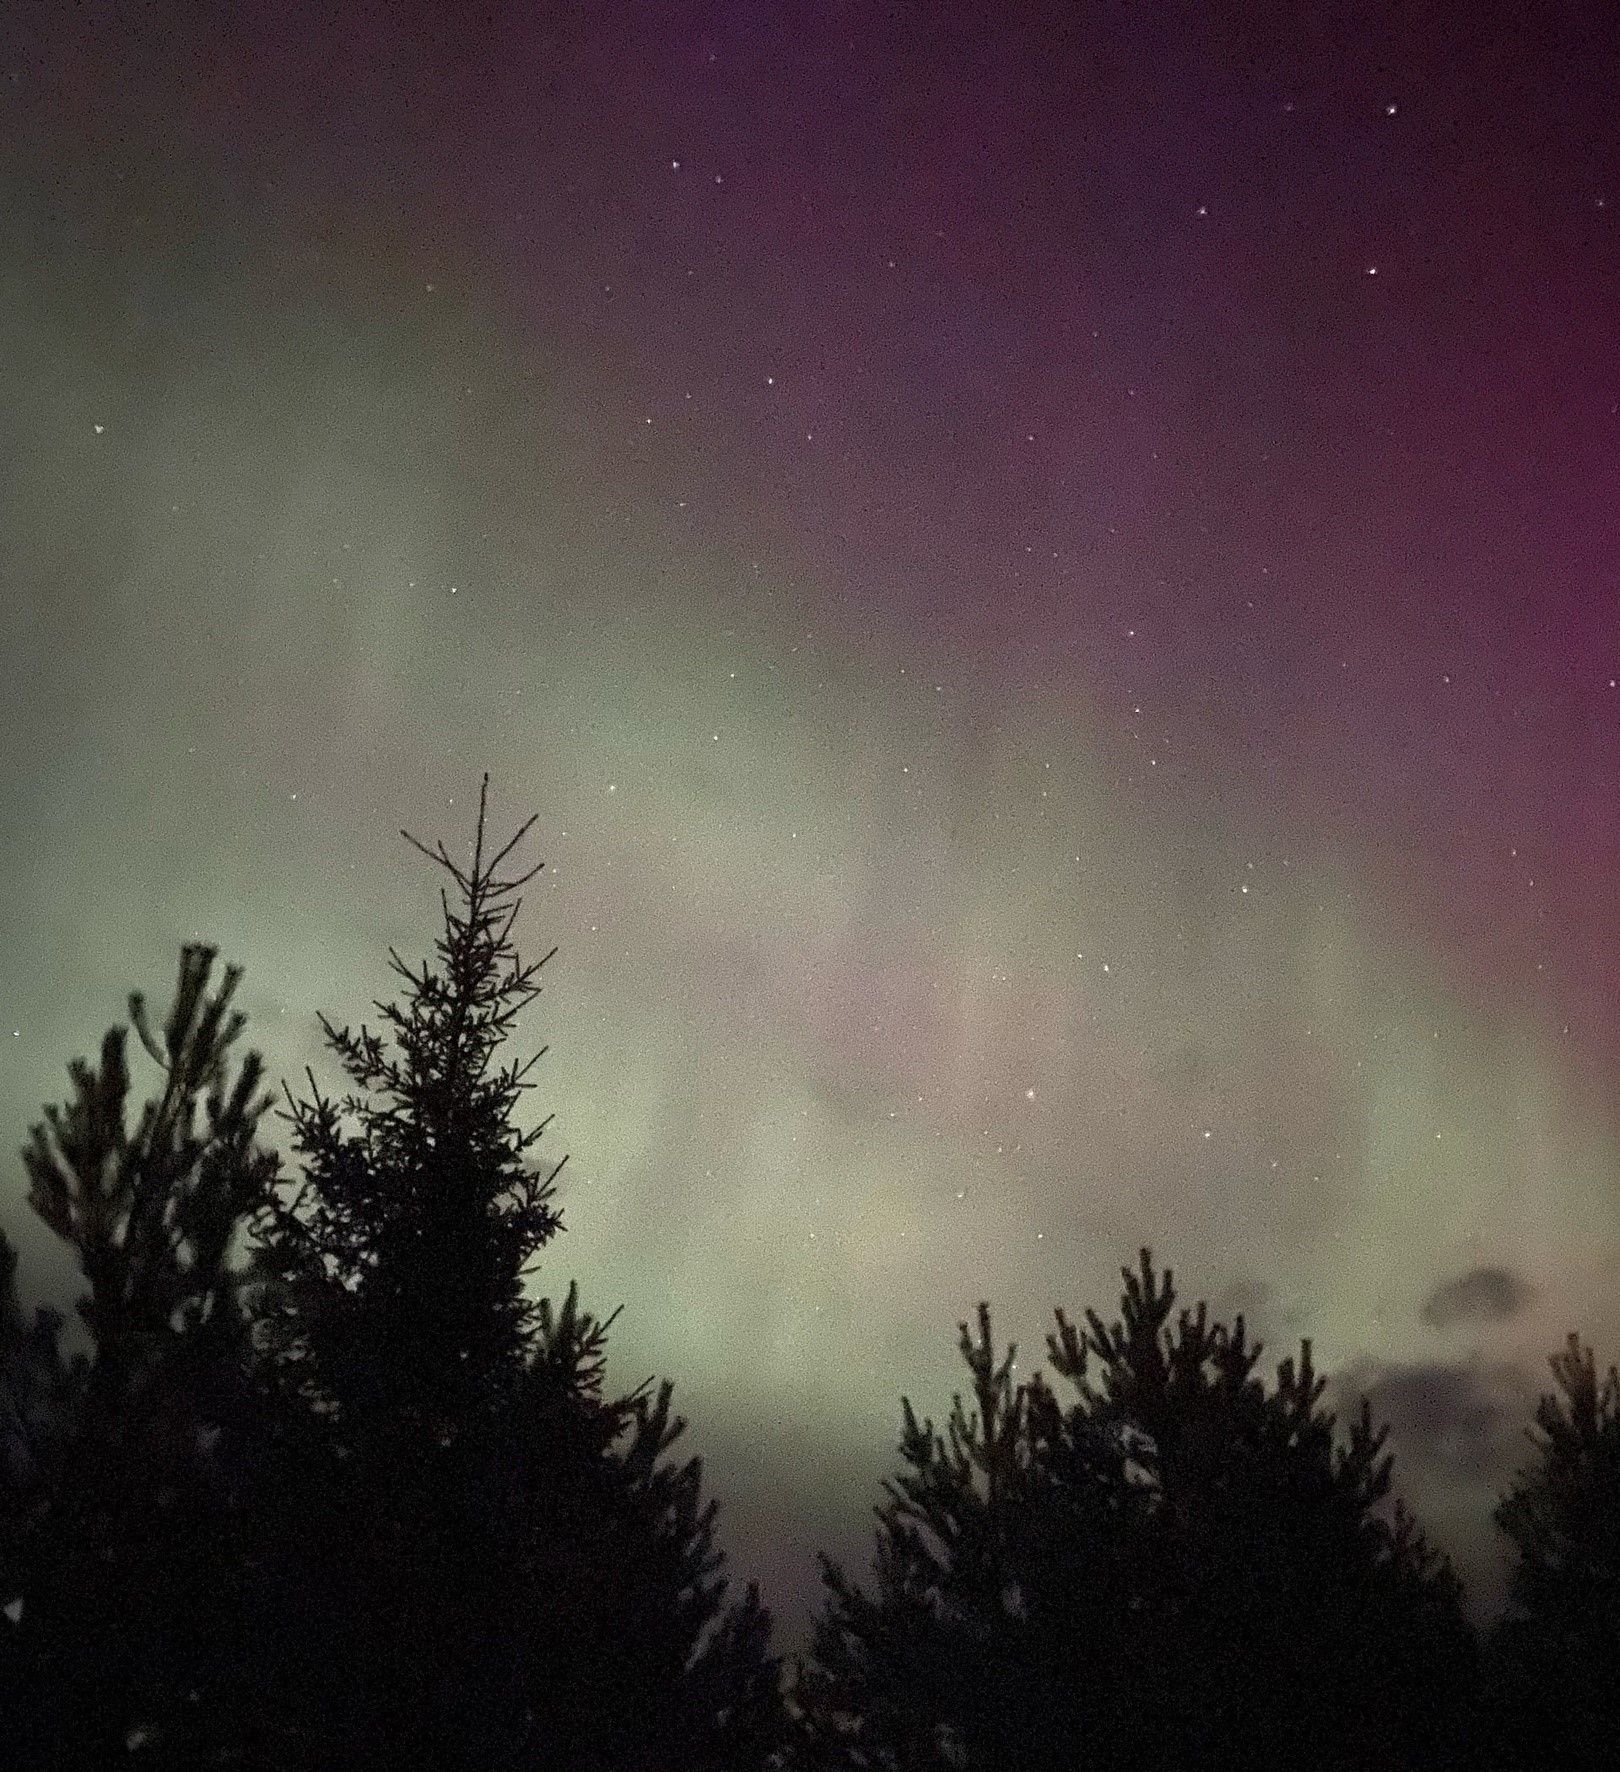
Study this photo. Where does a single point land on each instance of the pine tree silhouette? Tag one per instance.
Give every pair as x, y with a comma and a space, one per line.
118, 1556
38, 1385
1176, 1568
1555, 1653
942, 1666
493, 1561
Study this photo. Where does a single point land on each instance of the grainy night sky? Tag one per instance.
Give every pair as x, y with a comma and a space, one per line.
1050, 572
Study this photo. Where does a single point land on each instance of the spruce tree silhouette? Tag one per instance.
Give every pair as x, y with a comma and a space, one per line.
118, 1557
1176, 1568
1555, 1653
494, 1562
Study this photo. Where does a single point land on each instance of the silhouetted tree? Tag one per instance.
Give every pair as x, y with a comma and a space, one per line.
939, 1667
643, 1665
118, 1555
38, 1385
1177, 1567
495, 1562
1556, 1653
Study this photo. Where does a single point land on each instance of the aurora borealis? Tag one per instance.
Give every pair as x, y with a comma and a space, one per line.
1048, 571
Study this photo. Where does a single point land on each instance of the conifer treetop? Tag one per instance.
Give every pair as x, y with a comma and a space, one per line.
152, 1211
417, 1189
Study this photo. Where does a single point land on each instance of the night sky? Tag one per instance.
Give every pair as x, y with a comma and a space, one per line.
1050, 572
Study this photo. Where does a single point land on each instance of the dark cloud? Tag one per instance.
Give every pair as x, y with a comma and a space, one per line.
1482, 1295
1450, 1420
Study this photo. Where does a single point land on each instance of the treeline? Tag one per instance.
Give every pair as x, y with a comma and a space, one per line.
325, 1481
